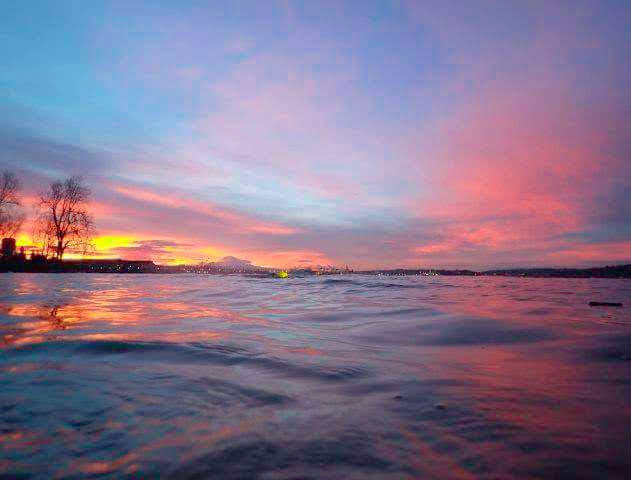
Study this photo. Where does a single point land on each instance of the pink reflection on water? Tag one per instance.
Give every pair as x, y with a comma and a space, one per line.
300, 345
546, 389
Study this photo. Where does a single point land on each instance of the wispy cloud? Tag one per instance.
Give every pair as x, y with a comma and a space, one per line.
417, 134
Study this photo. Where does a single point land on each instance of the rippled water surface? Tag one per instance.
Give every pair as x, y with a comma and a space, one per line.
178, 376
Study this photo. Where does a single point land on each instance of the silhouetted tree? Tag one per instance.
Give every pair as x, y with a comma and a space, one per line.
11, 217
64, 221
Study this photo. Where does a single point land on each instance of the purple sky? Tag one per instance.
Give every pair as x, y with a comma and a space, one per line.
373, 134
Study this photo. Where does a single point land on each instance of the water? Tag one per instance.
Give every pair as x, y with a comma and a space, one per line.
178, 376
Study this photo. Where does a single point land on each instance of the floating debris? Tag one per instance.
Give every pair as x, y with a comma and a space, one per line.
605, 304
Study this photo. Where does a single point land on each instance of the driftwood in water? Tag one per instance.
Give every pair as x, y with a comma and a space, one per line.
605, 304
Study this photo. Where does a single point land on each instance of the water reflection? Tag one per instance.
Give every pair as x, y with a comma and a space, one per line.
354, 377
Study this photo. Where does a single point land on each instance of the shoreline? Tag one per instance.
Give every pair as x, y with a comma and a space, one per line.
148, 267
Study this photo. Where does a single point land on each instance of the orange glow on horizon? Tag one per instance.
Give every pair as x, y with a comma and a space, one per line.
124, 246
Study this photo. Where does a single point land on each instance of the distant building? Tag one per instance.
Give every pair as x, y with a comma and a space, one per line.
8, 247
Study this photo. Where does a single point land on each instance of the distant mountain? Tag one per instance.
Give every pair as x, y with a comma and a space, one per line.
234, 262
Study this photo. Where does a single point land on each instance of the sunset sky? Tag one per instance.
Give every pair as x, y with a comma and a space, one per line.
470, 134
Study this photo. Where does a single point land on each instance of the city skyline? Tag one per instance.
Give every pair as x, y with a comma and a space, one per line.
378, 135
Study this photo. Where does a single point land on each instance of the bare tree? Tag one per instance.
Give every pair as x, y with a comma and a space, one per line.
11, 216
64, 221
44, 235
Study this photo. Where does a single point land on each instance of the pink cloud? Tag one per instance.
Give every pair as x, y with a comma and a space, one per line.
239, 221
517, 163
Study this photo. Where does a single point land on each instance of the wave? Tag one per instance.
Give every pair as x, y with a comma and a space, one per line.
256, 458
367, 284
191, 353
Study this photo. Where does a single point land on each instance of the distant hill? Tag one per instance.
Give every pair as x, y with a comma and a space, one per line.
610, 271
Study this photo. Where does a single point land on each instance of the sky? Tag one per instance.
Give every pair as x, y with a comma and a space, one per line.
472, 134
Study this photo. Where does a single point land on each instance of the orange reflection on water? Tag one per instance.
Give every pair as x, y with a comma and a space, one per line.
204, 434
305, 351
174, 337
187, 310
115, 314
430, 461
100, 468
42, 323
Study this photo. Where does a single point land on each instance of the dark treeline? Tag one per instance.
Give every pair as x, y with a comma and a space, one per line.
610, 271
